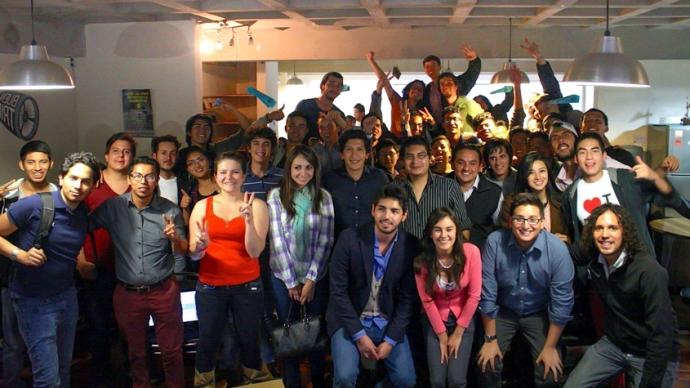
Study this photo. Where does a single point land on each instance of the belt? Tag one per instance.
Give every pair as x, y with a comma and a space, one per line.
142, 289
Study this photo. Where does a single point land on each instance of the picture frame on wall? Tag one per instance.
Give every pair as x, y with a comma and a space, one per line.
137, 112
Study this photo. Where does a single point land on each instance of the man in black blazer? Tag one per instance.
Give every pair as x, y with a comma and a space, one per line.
373, 294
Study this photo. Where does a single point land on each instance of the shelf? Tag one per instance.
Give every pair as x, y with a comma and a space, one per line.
231, 95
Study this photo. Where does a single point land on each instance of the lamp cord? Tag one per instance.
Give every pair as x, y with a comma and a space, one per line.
33, 34
510, 39
607, 33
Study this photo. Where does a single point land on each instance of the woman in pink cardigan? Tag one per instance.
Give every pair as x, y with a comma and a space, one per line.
448, 273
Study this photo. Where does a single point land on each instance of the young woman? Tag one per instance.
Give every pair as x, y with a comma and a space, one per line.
534, 176
301, 225
201, 185
448, 273
441, 151
227, 234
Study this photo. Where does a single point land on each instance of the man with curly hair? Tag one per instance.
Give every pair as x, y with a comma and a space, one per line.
640, 330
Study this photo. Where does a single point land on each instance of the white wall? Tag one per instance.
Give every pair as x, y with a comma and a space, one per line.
664, 102
158, 56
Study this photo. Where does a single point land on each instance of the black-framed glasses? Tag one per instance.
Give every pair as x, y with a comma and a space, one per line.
150, 178
531, 221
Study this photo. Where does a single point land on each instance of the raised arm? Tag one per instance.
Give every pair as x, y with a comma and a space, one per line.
393, 96
468, 79
546, 76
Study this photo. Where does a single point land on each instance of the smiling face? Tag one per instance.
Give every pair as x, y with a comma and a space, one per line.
416, 91
372, 127
166, 156
499, 161
76, 184
441, 151
432, 69
594, 121
119, 156
563, 144
538, 176
328, 131
260, 150
229, 176
443, 235
590, 158
296, 129
519, 143
388, 214
452, 125
417, 125
198, 165
526, 225
467, 165
447, 87
332, 88
354, 155
301, 171
608, 236
35, 166
200, 133
388, 158
416, 160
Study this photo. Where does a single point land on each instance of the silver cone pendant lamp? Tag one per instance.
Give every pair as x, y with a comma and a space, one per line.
502, 77
34, 70
294, 80
607, 65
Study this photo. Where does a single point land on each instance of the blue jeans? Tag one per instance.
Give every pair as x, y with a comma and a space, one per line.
48, 326
14, 350
291, 375
399, 363
234, 309
604, 360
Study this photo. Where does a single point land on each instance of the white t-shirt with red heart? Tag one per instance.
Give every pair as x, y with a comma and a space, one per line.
591, 195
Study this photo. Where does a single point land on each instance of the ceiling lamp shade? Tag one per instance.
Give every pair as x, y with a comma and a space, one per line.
34, 70
502, 77
294, 80
607, 65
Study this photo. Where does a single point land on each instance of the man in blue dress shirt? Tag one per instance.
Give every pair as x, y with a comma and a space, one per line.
527, 277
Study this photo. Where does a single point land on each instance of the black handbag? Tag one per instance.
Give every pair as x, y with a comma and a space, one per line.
291, 339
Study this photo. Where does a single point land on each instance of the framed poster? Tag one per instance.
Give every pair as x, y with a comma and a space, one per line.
137, 112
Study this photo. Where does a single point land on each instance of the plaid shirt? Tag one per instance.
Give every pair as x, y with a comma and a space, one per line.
285, 266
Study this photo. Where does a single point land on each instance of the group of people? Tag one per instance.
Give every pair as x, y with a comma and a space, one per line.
427, 244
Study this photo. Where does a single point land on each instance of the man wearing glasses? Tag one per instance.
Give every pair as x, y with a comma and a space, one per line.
149, 242
527, 277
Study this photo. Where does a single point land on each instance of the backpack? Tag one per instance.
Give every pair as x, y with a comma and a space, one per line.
47, 216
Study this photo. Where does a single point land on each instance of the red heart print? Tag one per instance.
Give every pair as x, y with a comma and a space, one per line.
591, 204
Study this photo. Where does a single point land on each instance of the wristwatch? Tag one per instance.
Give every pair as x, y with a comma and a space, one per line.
489, 338
14, 253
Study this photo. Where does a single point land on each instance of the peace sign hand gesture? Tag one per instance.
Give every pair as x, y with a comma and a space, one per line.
7, 187
169, 228
201, 237
246, 208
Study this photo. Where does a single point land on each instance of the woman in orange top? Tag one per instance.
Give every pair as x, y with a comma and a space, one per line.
448, 273
227, 233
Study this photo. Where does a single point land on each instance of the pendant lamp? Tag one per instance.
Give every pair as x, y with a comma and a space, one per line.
502, 77
34, 70
607, 65
294, 80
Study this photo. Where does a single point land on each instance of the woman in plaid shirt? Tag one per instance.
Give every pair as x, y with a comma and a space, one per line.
301, 230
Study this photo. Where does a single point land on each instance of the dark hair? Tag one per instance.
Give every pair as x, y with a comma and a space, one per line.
326, 76
523, 171
392, 191
485, 100
517, 131
606, 118
352, 135
478, 119
525, 199
632, 241
412, 141
494, 145
190, 123
431, 58
147, 160
156, 141
237, 156
428, 258
448, 74
386, 143
371, 114
191, 150
359, 107
590, 135
86, 158
533, 135
121, 136
288, 186
451, 109
465, 146
35, 146
263, 133
406, 89
296, 113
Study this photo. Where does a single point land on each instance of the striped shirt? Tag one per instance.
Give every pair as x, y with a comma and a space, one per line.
438, 192
260, 186
285, 265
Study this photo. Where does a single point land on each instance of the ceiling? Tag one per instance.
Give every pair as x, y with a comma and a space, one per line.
353, 14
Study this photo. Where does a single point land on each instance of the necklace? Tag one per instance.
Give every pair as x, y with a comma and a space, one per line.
444, 266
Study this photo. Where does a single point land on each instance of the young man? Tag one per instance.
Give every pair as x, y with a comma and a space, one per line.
562, 138
498, 153
42, 285
527, 276
331, 86
432, 99
640, 340
427, 191
373, 294
34, 160
296, 129
327, 148
164, 150
354, 185
149, 240
96, 264
358, 112
261, 177
466, 107
483, 199
632, 189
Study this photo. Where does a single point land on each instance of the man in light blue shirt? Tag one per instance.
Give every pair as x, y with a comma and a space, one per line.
527, 277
